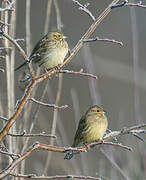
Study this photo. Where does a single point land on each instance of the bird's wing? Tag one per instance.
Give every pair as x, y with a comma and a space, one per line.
79, 133
42, 45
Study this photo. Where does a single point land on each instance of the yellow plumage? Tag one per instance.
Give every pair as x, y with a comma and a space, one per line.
92, 127
49, 52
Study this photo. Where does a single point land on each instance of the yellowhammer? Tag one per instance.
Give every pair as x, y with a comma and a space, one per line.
49, 52
92, 127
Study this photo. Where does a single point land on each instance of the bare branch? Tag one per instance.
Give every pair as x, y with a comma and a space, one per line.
123, 131
13, 41
53, 71
126, 3
120, 4
4, 24
138, 136
3, 118
42, 134
20, 40
105, 40
139, 4
34, 176
38, 146
112, 144
48, 105
79, 73
9, 7
84, 9
12, 155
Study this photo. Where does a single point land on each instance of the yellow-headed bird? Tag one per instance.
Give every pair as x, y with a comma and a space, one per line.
92, 127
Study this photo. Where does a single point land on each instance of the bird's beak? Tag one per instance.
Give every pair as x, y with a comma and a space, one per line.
64, 37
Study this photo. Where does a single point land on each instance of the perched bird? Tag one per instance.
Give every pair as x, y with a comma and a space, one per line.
49, 52
92, 127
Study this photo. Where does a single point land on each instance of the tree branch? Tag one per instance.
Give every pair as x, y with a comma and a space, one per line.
105, 40
48, 105
34, 176
38, 146
42, 134
84, 9
54, 70
79, 73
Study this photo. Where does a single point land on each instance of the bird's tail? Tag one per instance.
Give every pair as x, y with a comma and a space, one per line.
21, 65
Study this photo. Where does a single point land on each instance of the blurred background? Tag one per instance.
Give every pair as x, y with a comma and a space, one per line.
120, 88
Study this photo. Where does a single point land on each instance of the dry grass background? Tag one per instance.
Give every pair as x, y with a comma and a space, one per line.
120, 88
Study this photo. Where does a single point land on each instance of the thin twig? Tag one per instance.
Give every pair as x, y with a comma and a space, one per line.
105, 40
48, 105
13, 41
123, 131
9, 7
23, 134
20, 40
112, 144
3, 118
4, 23
34, 176
85, 9
12, 155
139, 4
79, 73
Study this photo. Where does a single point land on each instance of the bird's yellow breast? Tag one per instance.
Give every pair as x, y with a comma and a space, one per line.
95, 129
53, 58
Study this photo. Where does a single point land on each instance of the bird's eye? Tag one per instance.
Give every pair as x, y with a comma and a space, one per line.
98, 110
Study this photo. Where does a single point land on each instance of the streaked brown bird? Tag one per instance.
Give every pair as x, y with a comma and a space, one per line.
92, 127
49, 52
